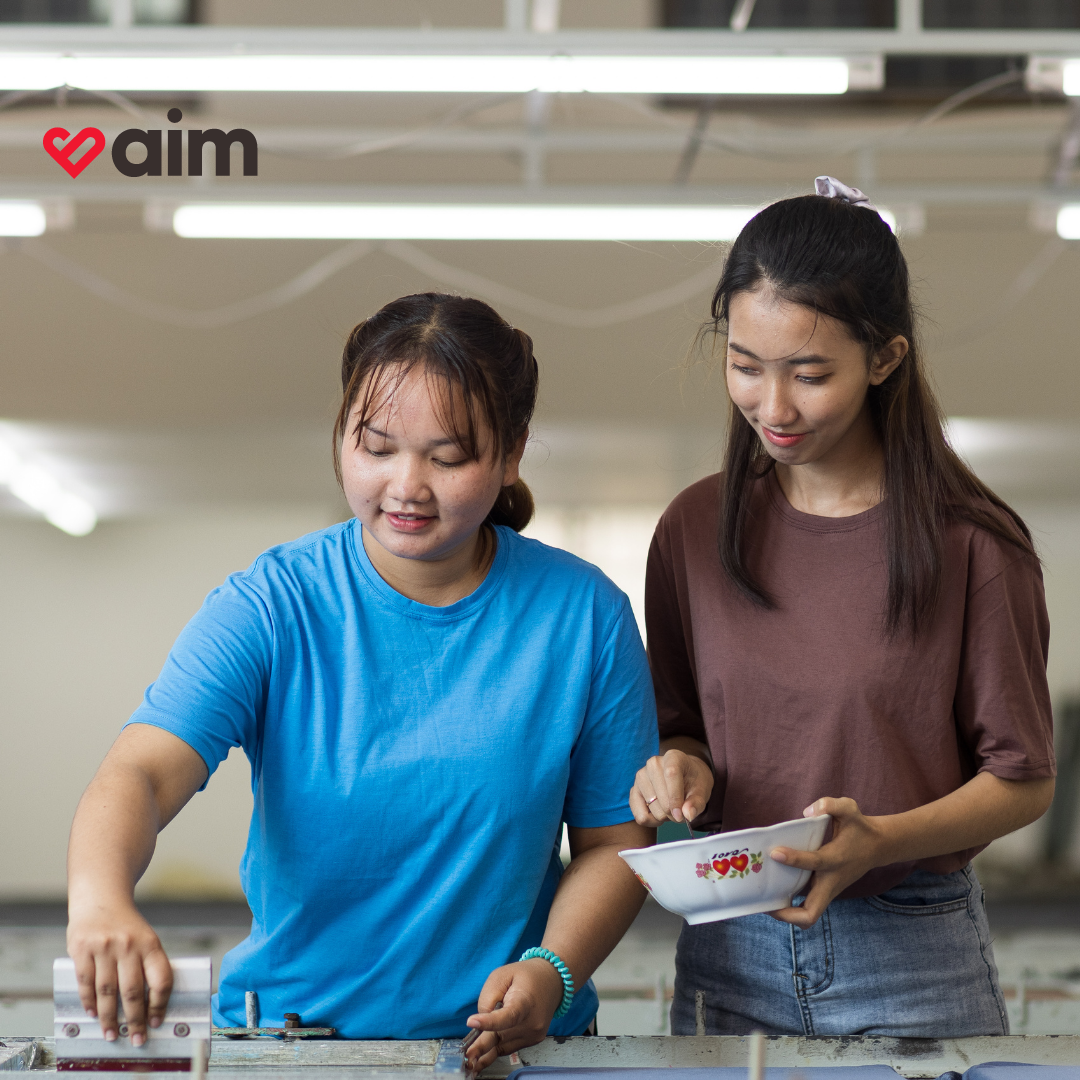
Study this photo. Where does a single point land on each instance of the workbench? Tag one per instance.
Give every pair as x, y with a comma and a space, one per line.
341, 1059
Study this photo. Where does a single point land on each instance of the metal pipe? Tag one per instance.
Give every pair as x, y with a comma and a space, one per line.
909, 15
515, 15
122, 13
83, 39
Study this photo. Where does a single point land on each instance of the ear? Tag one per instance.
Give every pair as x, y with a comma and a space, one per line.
888, 359
512, 461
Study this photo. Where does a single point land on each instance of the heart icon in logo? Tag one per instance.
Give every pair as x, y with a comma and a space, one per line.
63, 153
739, 862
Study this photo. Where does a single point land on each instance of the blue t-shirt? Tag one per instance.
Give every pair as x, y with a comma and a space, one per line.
411, 767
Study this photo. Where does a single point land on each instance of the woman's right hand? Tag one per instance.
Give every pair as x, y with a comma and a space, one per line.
118, 958
672, 787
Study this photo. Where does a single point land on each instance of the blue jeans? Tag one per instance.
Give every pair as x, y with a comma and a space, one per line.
914, 961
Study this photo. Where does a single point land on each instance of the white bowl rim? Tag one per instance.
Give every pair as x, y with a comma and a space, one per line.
711, 839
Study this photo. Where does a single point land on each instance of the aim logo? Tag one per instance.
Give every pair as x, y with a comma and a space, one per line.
74, 152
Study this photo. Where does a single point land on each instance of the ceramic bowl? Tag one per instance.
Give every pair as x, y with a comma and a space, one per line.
724, 875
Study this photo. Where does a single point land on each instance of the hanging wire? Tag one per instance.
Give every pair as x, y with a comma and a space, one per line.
345, 256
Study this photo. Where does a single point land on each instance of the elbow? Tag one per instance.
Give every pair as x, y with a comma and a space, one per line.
1044, 796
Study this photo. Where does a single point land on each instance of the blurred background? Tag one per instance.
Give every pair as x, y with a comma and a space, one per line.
166, 402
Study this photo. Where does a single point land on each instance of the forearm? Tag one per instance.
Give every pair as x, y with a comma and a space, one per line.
145, 779
985, 808
597, 900
112, 837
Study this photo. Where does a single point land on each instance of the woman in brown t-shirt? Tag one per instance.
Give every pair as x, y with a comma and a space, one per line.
845, 621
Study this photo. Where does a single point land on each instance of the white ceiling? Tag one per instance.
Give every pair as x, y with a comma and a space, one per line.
162, 372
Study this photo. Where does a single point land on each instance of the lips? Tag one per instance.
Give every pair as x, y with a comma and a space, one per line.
408, 523
779, 439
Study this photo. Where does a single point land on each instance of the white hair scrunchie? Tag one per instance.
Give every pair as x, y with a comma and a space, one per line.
832, 188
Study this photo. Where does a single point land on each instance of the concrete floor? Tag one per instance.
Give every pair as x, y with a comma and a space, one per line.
1037, 948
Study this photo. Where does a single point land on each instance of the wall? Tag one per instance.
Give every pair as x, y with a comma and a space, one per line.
87, 625
89, 621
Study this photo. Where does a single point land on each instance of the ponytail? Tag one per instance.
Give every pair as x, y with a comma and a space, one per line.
514, 507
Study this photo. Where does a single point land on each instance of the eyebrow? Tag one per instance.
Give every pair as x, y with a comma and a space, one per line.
813, 358
434, 442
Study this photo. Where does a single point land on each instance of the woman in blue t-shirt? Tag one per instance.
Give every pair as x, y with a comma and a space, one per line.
425, 697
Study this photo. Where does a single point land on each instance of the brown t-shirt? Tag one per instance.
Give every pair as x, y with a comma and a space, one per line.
813, 698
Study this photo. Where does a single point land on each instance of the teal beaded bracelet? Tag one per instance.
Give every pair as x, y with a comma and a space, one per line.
564, 974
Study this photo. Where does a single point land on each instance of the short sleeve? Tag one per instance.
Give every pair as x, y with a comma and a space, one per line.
212, 690
618, 734
677, 705
1003, 707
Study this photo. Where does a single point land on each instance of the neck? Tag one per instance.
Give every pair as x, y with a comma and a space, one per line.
845, 481
436, 582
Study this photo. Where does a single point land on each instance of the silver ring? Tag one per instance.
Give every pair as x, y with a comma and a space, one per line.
649, 802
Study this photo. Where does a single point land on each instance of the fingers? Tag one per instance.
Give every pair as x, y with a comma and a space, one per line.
491, 997
86, 976
500, 1027
838, 808
483, 1052
530, 992
700, 785
159, 978
668, 774
801, 860
641, 809
106, 989
670, 788
133, 997
123, 974
812, 908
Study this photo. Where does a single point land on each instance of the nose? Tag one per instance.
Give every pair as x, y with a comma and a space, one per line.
408, 480
776, 409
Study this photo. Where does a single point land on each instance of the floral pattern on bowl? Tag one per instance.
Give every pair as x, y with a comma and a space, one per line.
730, 864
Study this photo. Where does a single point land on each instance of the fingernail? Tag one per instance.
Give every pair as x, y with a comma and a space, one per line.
676, 814
91, 1012
110, 1036
155, 1021
137, 1039
809, 811
779, 856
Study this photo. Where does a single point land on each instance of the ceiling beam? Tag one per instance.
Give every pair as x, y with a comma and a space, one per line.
173, 193
81, 39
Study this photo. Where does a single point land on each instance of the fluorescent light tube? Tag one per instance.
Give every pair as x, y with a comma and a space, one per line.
1068, 222
21, 218
432, 74
1070, 77
376, 221
41, 491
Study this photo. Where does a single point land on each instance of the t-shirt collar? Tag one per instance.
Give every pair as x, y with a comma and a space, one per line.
403, 605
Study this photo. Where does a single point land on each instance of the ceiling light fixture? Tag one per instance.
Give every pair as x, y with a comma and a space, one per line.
1068, 222
459, 74
42, 491
380, 221
19, 218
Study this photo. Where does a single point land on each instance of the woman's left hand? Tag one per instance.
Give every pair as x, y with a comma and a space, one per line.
530, 991
856, 847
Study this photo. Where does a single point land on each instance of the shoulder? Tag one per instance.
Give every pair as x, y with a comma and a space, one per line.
533, 558
557, 575
315, 557
700, 499
979, 536
692, 517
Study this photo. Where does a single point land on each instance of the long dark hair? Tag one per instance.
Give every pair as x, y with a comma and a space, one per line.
486, 365
842, 261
